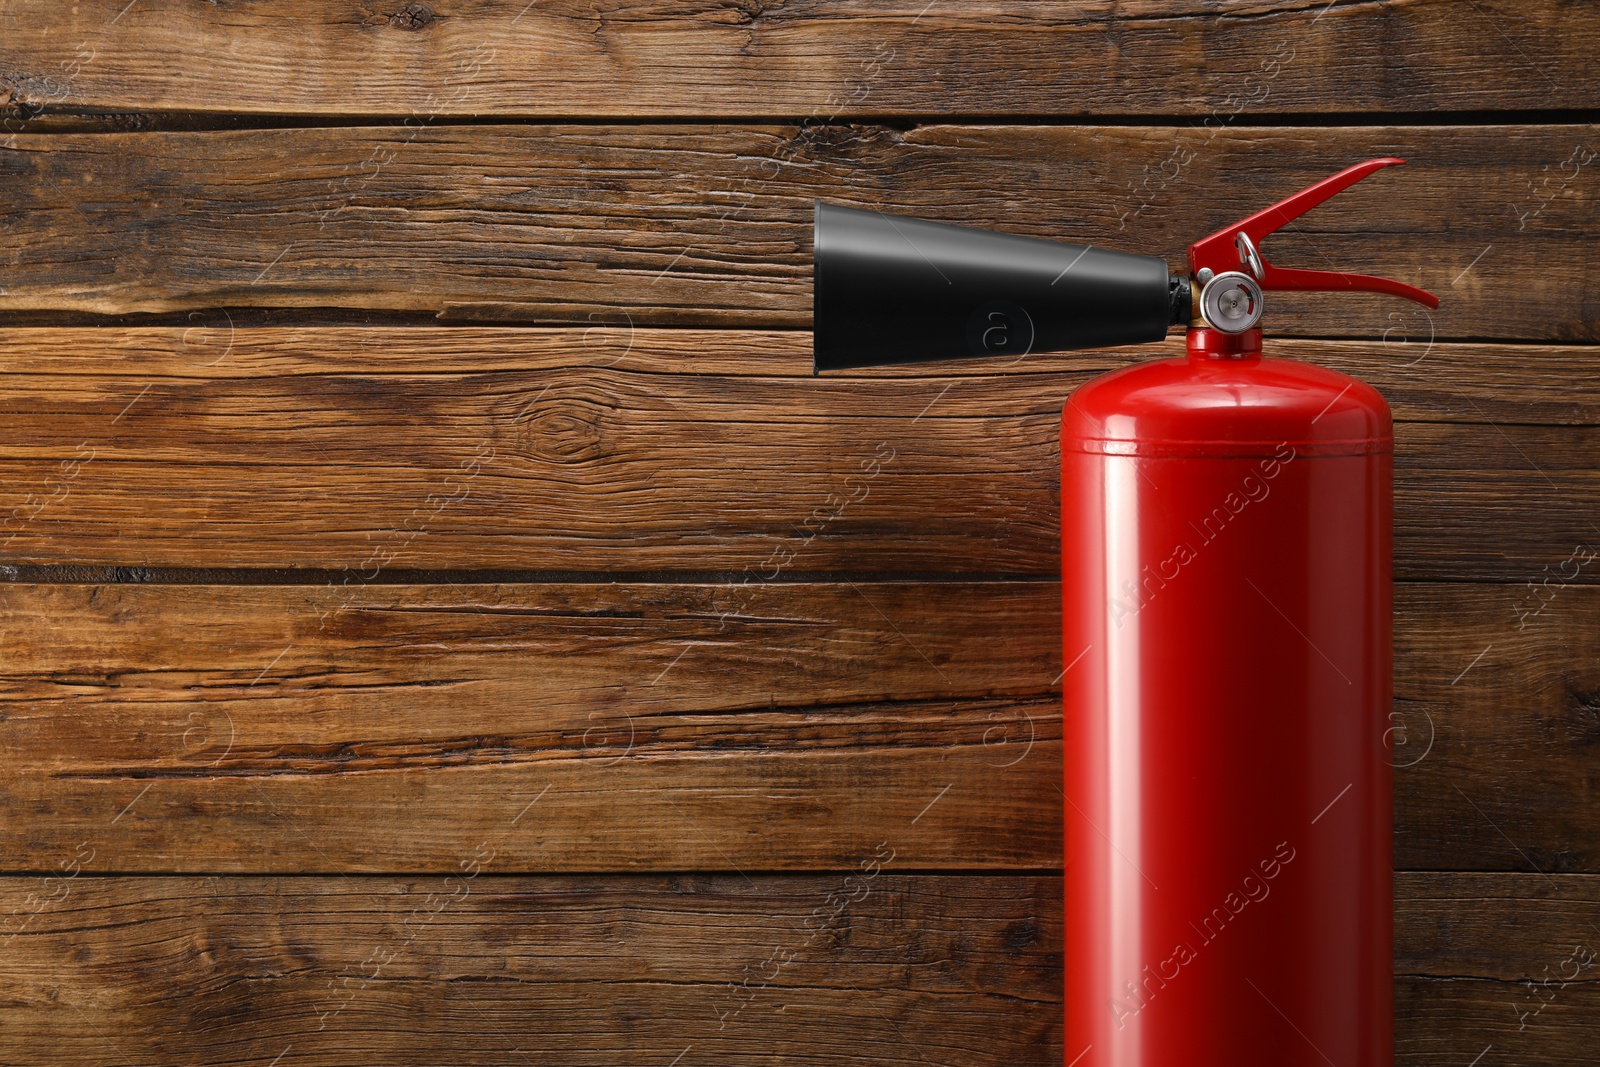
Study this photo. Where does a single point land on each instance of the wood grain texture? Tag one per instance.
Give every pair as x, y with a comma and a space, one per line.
1501, 968
370, 451
711, 225
822, 57
1495, 685
681, 727
1454, 925
571, 727
483, 969
810, 967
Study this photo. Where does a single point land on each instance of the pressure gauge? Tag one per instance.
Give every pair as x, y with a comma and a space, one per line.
1231, 302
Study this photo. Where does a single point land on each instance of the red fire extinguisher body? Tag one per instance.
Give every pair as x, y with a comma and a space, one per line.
1226, 578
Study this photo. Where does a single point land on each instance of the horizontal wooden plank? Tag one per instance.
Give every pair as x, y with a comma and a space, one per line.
1453, 925
1497, 969
590, 727
367, 451
729, 969
826, 58
678, 727
1496, 697
1453, 1021
711, 225
478, 968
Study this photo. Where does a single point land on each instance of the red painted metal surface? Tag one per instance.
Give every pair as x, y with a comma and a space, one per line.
1226, 626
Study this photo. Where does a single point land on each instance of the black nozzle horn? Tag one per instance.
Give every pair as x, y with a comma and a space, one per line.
899, 290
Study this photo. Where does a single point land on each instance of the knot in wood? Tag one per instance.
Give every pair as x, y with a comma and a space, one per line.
412, 17
565, 430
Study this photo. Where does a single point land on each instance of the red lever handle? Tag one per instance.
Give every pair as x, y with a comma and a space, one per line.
1236, 247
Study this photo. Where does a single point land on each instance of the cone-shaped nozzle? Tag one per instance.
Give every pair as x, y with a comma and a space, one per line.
898, 290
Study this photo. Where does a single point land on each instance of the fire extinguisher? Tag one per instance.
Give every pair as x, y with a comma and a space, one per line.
1226, 585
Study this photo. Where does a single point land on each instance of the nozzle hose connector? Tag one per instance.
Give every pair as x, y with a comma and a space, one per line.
1180, 300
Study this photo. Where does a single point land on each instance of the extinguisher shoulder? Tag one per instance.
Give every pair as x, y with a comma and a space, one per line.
1187, 407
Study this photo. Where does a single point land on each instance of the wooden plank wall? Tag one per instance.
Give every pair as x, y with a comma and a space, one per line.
444, 621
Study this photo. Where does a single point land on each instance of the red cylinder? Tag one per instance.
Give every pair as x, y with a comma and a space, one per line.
1226, 581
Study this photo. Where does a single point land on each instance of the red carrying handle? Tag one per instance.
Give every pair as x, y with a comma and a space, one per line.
1237, 247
